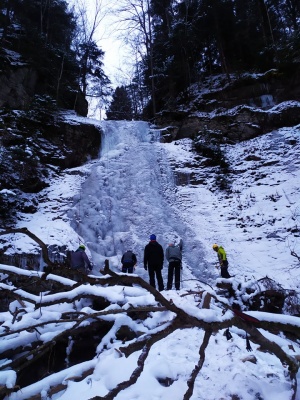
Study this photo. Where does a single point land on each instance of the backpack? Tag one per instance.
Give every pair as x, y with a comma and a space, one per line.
128, 257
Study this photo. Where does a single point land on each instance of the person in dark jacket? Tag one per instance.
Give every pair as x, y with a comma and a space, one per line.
154, 261
174, 257
80, 261
128, 261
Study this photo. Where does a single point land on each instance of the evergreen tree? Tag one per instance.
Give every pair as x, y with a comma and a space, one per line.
91, 68
44, 36
48, 34
196, 37
120, 107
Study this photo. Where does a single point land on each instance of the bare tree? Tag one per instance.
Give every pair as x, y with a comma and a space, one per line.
86, 43
134, 18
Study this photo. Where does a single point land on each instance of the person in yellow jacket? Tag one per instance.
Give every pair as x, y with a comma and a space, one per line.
222, 260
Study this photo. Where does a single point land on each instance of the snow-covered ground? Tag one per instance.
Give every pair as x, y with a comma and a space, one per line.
257, 222
115, 203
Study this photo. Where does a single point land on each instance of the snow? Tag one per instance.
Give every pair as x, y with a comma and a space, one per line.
114, 203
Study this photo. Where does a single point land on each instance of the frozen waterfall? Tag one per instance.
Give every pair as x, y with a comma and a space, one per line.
130, 194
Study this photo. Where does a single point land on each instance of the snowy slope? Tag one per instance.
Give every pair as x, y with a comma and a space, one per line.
258, 220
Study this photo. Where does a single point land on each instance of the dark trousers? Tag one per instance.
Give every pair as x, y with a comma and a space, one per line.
127, 268
78, 274
224, 270
174, 266
155, 271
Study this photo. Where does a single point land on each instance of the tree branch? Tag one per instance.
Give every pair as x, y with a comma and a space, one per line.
191, 382
133, 378
25, 231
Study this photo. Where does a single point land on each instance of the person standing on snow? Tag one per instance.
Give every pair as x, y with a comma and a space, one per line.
222, 260
128, 261
80, 261
174, 257
154, 262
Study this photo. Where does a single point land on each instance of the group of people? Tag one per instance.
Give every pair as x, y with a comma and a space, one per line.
153, 262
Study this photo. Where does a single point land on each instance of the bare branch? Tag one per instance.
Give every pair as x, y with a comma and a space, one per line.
294, 254
94, 324
191, 382
133, 378
25, 231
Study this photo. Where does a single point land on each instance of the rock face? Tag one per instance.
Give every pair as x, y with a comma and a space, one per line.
32, 148
239, 110
74, 143
35, 147
19, 86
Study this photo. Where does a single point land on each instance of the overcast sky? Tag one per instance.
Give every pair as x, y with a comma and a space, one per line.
116, 59
108, 38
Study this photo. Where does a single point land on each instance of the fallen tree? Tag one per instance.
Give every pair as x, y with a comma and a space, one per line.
27, 232
83, 321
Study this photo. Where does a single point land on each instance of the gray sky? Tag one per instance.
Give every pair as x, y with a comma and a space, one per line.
116, 59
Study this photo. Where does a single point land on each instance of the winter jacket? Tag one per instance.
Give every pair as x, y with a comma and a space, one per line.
221, 255
129, 258
174, 253
153, 255
79, 259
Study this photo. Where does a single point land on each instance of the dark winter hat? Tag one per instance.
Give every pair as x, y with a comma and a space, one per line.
152, 237
82, 246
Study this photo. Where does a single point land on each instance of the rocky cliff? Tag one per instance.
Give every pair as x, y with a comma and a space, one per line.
21, 85
237, 109
35, 147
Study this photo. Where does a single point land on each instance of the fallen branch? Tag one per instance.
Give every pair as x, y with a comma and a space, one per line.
191, 382
25, 231
111, 395
96, 325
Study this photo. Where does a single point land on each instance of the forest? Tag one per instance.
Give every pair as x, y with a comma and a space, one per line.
174, 44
